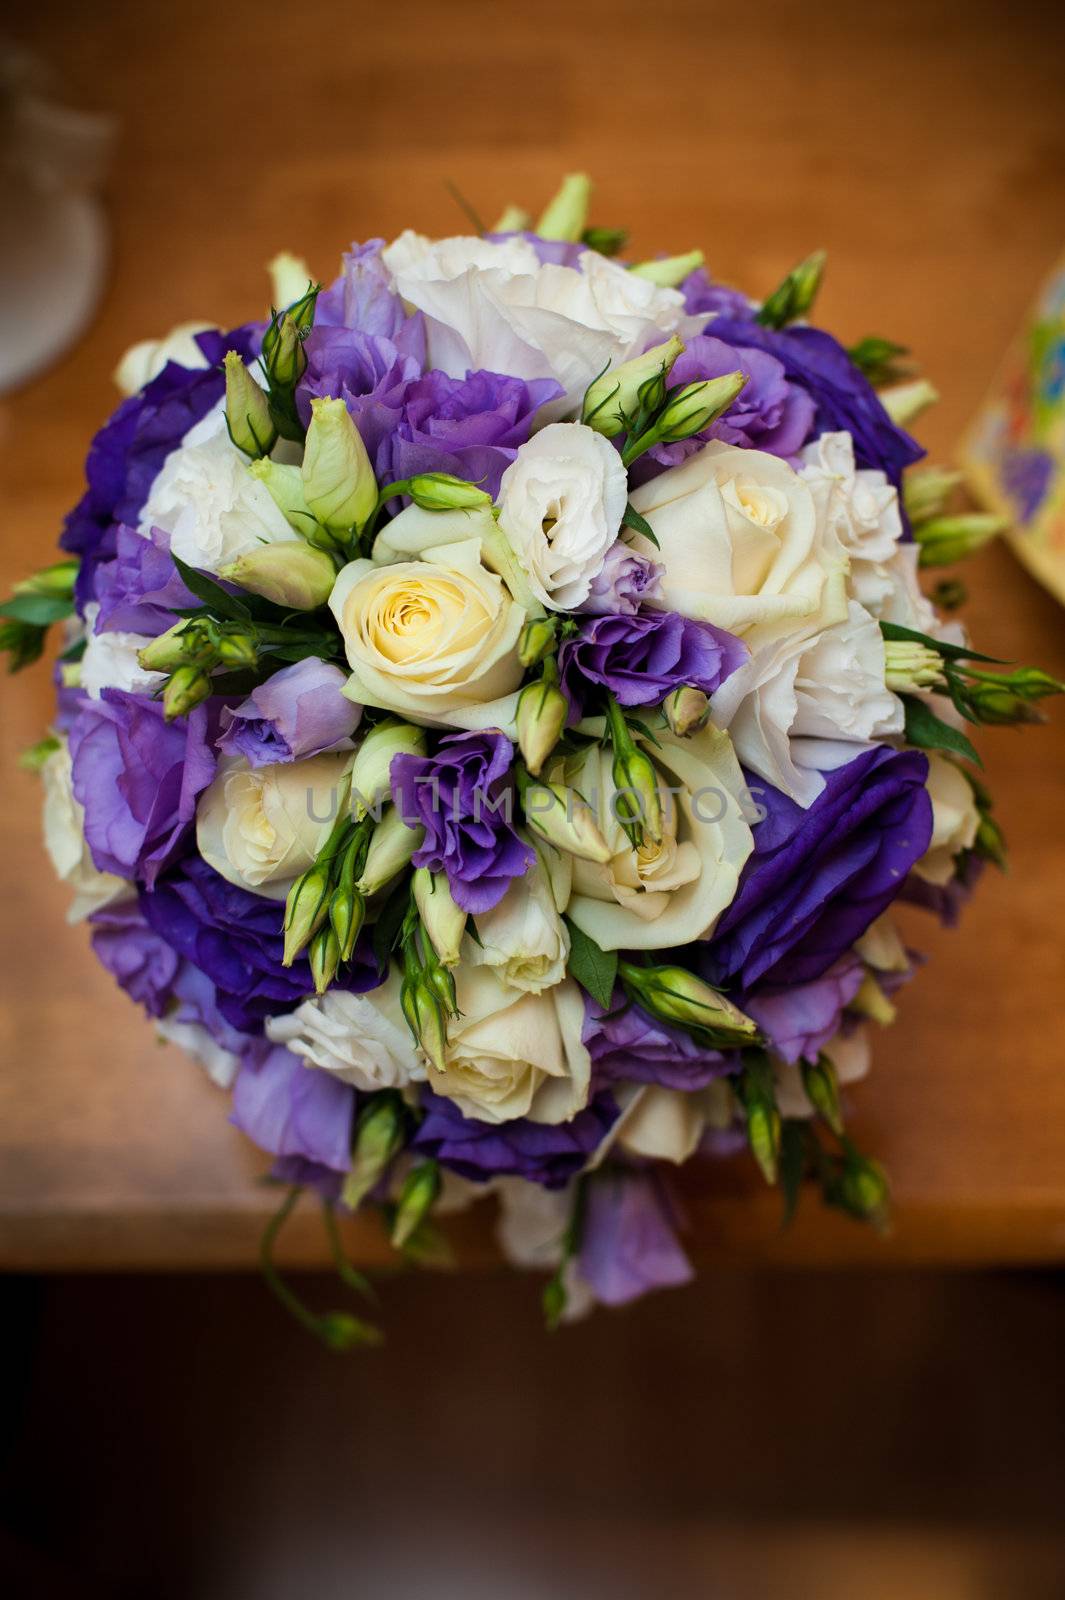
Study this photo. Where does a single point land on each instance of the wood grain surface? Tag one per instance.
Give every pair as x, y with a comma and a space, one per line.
922, 143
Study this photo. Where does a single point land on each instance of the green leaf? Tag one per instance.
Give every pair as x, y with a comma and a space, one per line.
949, 652
792, 1167
928, 732
594, 969
638, 524
214, 597
37, 610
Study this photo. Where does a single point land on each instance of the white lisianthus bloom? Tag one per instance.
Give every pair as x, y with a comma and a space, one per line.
523, 938
560, 505
741, 543
362, 1039
110, 660
955, 820
823, 689
64, 839
212, 507
859, 505
260, 827
494, 307
145, 360
671, 893
660, 1124
850, 1054
433, 640
514, 1054
881, 947
193, 1039
890, 590
531, 1231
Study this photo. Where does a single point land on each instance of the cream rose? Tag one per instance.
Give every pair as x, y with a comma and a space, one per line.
560, 505
955, 820
859, 505
523, 939
670, 893
362, 1039
741, 543
514, 1054
260, 827
433, 640
64, 839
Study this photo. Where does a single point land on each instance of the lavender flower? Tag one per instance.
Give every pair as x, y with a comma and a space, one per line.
628, 1242
624, 581
291, 1109
799, 1019
641, 659
628, 1045
300, 711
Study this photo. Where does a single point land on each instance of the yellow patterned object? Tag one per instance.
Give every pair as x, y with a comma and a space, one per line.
1014, 455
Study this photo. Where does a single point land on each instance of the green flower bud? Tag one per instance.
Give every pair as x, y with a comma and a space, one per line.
425, 1017
822, 1090
567, 213
1007, 697
757, 1096
926, 490
560, 816
909, 665
439, 491
185, 644
605, 241
543, 711
796, 295
676, 995
285, 486
443, 921
949, 594
637, 803
391, 848
290, 573
670, 271
694, 407
863, 1189
338, 480
945, 540
537, 640
441, 981
615, 395
347, 910
184, 690
238, 650
283, 354
687, 710
306, 908
378, 1139
990, 842
512, 219
416, 1199
324, 955
248, 418
872, 1002
905, 402
370, 780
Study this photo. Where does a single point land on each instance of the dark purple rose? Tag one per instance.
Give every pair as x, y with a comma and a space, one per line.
137, 777
799, 1019
127, 453
299, 711
542, 1152
140, 590
137, 958
291, 1109
818, 878
640, 660
769, 413
626, 1044
701, 295
628, 1239
625, 580
237, 939
463, 797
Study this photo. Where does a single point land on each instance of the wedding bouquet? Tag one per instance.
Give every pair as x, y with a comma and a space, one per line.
496, 714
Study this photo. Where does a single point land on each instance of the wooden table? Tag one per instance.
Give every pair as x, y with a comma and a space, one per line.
923, 148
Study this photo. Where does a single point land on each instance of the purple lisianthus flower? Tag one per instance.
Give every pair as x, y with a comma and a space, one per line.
641, 659
769, 413
462, 797
299, 711
140, 961
549, 1153
137, 777
628, 1045
127, 453
139, 590
701, 294
291, 1109
625, 580
628, 1240
799, 1019
362, 298
948, 900
817, 878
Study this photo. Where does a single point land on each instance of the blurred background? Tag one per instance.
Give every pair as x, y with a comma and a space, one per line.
823, 1413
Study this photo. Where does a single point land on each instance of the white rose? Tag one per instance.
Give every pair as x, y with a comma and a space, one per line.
955, 820
205, 498
861, 507
671, 893
849, 1053
741, 543
260, 827
513, 1054
801, 702
434, 640
494, 307
110, 660
560, 504
523, 938
64, 839
362, 1039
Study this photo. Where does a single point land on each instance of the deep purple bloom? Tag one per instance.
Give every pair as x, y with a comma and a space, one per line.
799, 1019
127, 453
299, 711
463, 797
817, 878
138, 776
291, 1109
625, 579
237, 938
139, 960
702, 294
626, 1044
542, 1152
628, 1242
639, 660
139, 590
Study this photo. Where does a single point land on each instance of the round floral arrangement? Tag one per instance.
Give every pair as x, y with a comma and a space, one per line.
497, 713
